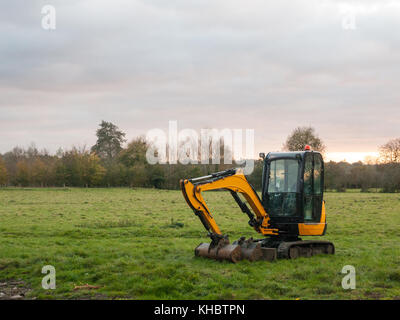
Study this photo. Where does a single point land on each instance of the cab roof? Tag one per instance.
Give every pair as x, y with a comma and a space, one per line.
289, 154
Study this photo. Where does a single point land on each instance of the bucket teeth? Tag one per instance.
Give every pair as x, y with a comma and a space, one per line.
241, 249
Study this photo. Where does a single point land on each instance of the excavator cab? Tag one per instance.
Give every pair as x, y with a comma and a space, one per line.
292, 189
291, 206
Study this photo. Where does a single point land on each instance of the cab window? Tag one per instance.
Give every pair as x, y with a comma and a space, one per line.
313, 187
281, 196
283, 175
308, 188
317, 174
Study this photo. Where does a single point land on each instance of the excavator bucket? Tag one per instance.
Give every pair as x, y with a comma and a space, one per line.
241, 249
229, 252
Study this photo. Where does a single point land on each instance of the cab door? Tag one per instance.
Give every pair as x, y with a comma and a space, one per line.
313, 187
318, 186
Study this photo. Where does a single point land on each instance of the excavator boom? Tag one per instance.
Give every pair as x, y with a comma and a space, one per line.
235, 181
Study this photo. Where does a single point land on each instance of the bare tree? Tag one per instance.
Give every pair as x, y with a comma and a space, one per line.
302, 136
390, 152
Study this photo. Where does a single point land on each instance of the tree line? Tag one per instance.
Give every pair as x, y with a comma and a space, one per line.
109, 164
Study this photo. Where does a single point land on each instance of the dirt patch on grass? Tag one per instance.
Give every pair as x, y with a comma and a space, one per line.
373, 295
13, 290
97, 296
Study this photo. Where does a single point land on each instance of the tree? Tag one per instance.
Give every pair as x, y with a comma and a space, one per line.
135, 153
60, 173
116, 175
3, 173
39, 173
11, 159
109, 141
156, 176
138, 176
93, 172
78, 167
389, 176
302, 136
390, 152
23, 173
362, 176
336, 175
138, 169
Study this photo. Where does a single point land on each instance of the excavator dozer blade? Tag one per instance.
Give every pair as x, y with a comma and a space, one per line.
269, 254
242, 249
254, 252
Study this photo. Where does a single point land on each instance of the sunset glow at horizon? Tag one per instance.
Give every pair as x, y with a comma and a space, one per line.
351, 157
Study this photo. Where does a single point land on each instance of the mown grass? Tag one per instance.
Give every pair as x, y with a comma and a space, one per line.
138, 244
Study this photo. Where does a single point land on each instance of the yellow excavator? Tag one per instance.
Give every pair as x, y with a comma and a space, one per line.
291, 206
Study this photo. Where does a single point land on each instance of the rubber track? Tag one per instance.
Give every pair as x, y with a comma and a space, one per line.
284, 247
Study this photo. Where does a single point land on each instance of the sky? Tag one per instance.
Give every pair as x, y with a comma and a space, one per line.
264, 65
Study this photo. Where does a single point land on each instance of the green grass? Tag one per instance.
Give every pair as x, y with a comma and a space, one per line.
125, 241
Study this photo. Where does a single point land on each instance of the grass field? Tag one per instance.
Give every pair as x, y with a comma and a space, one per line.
138, 244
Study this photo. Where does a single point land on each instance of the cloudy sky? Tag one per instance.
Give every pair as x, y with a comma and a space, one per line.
265, 65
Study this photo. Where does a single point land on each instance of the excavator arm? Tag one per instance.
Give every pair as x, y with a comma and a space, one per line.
235, 181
